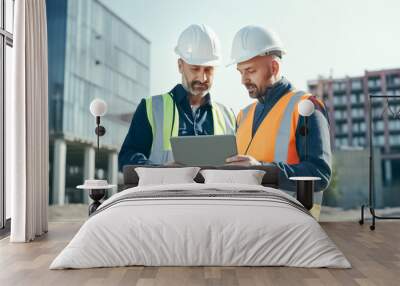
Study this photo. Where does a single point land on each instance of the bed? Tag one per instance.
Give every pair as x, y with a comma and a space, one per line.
197, 224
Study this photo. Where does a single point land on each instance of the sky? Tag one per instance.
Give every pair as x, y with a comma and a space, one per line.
339, 38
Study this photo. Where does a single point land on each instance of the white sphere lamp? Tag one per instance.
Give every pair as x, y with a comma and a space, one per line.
306, 107
97, 188
98, 107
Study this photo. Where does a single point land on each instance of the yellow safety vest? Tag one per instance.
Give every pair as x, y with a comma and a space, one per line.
160, 110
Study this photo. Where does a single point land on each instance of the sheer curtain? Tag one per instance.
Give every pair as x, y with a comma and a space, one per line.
27, 121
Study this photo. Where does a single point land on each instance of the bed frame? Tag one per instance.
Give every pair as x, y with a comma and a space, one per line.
270, 179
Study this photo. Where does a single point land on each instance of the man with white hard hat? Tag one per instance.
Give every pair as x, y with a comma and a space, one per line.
272, 130
185, 110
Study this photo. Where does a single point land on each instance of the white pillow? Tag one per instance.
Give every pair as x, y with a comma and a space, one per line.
165, 176
248, 177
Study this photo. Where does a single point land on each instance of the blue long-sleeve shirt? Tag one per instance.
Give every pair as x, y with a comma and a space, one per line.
319, 158
137, 144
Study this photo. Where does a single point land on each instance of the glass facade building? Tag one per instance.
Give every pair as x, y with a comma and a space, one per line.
93, 53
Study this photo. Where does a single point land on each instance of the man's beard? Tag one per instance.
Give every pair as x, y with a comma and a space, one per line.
254, 91
196, 87
259, 92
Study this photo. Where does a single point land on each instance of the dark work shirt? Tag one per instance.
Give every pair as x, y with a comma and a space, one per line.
137, 144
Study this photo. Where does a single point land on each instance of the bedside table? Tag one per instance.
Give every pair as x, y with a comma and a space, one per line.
97, 190
305, 190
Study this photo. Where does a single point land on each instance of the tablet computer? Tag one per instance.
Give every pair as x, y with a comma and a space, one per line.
203, 150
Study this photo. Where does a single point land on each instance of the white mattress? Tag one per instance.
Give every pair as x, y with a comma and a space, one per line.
183, 231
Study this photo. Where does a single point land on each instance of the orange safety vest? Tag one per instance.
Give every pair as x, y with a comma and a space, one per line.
275, 138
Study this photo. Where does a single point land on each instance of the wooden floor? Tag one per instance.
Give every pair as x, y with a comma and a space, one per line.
375, 257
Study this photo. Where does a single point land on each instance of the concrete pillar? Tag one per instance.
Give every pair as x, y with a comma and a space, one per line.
88, 168
59, 165
388, 171
113, 170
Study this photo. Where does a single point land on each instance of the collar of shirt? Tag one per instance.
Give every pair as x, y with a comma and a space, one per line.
276, 91
271, 96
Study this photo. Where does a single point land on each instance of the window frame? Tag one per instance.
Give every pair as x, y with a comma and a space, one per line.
6, 39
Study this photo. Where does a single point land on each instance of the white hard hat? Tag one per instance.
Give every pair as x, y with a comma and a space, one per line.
199, 45
252, 41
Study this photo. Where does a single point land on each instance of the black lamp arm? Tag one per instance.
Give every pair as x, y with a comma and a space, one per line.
304, 132
100, 131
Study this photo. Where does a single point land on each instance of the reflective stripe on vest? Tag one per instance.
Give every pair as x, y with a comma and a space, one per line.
160, 115
275, 138
283, 138
160, 110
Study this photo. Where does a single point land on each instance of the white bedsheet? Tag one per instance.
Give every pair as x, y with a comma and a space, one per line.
200, 231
